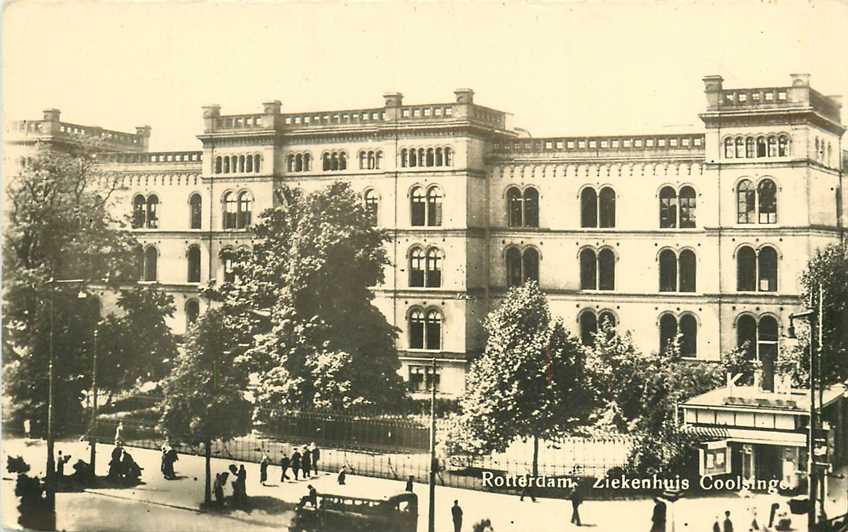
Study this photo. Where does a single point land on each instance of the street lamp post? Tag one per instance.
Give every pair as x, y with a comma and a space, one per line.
811, 317
51, 464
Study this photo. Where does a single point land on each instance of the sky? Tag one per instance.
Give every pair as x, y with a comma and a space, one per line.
561, 68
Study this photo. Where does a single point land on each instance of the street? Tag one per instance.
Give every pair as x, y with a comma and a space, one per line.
163, 505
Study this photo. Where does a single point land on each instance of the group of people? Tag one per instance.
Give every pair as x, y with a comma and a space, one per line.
305, 460
238, 485
123, 468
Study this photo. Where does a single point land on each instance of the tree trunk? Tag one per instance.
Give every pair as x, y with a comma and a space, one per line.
207, 490
535, 456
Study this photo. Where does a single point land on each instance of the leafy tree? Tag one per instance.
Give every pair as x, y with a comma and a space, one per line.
58, 227
323, 344
137, 345
828, 269
529, 381
204, 395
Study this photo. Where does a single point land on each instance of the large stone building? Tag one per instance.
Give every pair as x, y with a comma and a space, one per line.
702, 234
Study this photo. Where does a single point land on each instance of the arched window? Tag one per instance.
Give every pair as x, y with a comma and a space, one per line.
689, 336
668, 332
588, 208
750, 148
416, 329
196, 211
588, 327
218, 165
416, 267
433, 330
440, 161
326, 162
422, 157
606, 202
767, 338
150, 258
761, 146
307, 162
767, 269
192, 310
606, 270
363, 160
687, 207
515, 206
139, 263
152, 212
728, 148
434, 207
418, 207
234, 163
783, 146
193, 264
740, 147
431, 157
230, 210
772, 146
248, 166
139, 211
746, 269
668, 271
342, 161
434, 268
413, 157
241, 163
226, 165
229, 266
448, 157
745, 202
767, 201
668, 208
298, 162
513, 267
378, 162
746, 335
372, 205
687, 269
588, 270
530, 265
404, 158
245, 207
531, 207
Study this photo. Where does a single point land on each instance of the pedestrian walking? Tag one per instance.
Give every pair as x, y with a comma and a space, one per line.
716, 525
263, 468
27, 427
60, 466
728, 524
306, 463
409, 483
576, 501
316, 454
755, 525
295, 463
242, 477
218, 488
456, 515
119, 433
284, 466
527, 488
342, 474
659, 516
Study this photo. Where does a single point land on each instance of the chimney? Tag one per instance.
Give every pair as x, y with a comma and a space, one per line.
393, 101
52, 115
211, 113
712, 88
464, 100
272, 112
144, 133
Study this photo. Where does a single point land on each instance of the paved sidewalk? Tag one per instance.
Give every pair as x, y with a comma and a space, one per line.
507, 513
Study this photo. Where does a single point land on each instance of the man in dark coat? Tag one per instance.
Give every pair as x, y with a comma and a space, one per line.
115, 463
456, 515
409, 483
306, 463
242, 478
284, 465
658, 517
263, 468
576, 501
728, 524
342, 474
295, 463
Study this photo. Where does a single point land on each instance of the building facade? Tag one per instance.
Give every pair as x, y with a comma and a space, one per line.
701, 235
